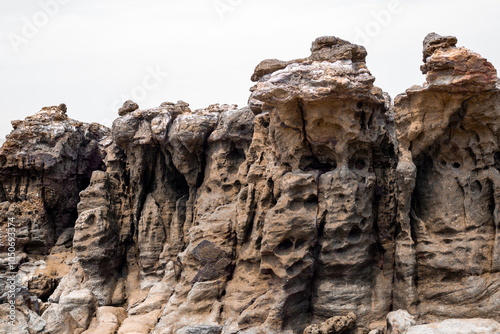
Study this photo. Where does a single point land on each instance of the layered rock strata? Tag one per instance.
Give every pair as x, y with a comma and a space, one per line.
320, 207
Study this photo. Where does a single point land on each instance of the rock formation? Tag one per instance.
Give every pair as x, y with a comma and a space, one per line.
448, 204
319, 208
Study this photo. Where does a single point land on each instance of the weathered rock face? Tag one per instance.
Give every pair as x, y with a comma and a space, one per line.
448, 134
319, 208
329, 131
45, 162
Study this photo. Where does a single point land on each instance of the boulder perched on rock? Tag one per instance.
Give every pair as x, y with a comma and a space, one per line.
128, 107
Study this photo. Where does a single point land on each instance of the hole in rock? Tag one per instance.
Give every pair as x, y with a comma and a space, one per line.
360, 164
84, 183
230, 187
312, 199
236, 154
476, 187
226, 188
491, 200
456, 165
449, 278
319, 123
35, 247
285, 246
354, 234
299, 243
322, 166
362, 120
443, 163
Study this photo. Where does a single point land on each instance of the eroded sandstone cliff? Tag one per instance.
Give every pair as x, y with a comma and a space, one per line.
322, 206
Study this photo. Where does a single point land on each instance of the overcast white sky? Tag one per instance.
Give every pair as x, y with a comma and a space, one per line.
94, 54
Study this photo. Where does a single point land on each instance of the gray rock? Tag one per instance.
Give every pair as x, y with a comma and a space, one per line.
200, 330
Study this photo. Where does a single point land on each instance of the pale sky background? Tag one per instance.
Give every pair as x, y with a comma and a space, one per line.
93, 54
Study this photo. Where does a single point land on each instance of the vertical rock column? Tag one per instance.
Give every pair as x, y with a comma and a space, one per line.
329, 128
449, 132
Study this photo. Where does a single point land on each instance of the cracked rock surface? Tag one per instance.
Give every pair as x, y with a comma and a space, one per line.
321, 207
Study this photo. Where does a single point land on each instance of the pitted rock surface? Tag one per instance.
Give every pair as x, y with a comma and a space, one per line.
321, 207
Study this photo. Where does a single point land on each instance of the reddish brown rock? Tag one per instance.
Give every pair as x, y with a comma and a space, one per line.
128, 107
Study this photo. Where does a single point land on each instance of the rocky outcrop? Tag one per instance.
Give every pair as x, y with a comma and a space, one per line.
44, 163
448, 134
329, 129
319, 208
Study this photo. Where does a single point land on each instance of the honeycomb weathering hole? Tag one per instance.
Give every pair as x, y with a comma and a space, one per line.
354, 235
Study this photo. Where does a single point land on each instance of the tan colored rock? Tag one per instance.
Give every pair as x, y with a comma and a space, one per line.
448, 134
339, 324
42, 286
326, 117
455, 69
318, 199
139, 324
186, 139
312, 329
107, 321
